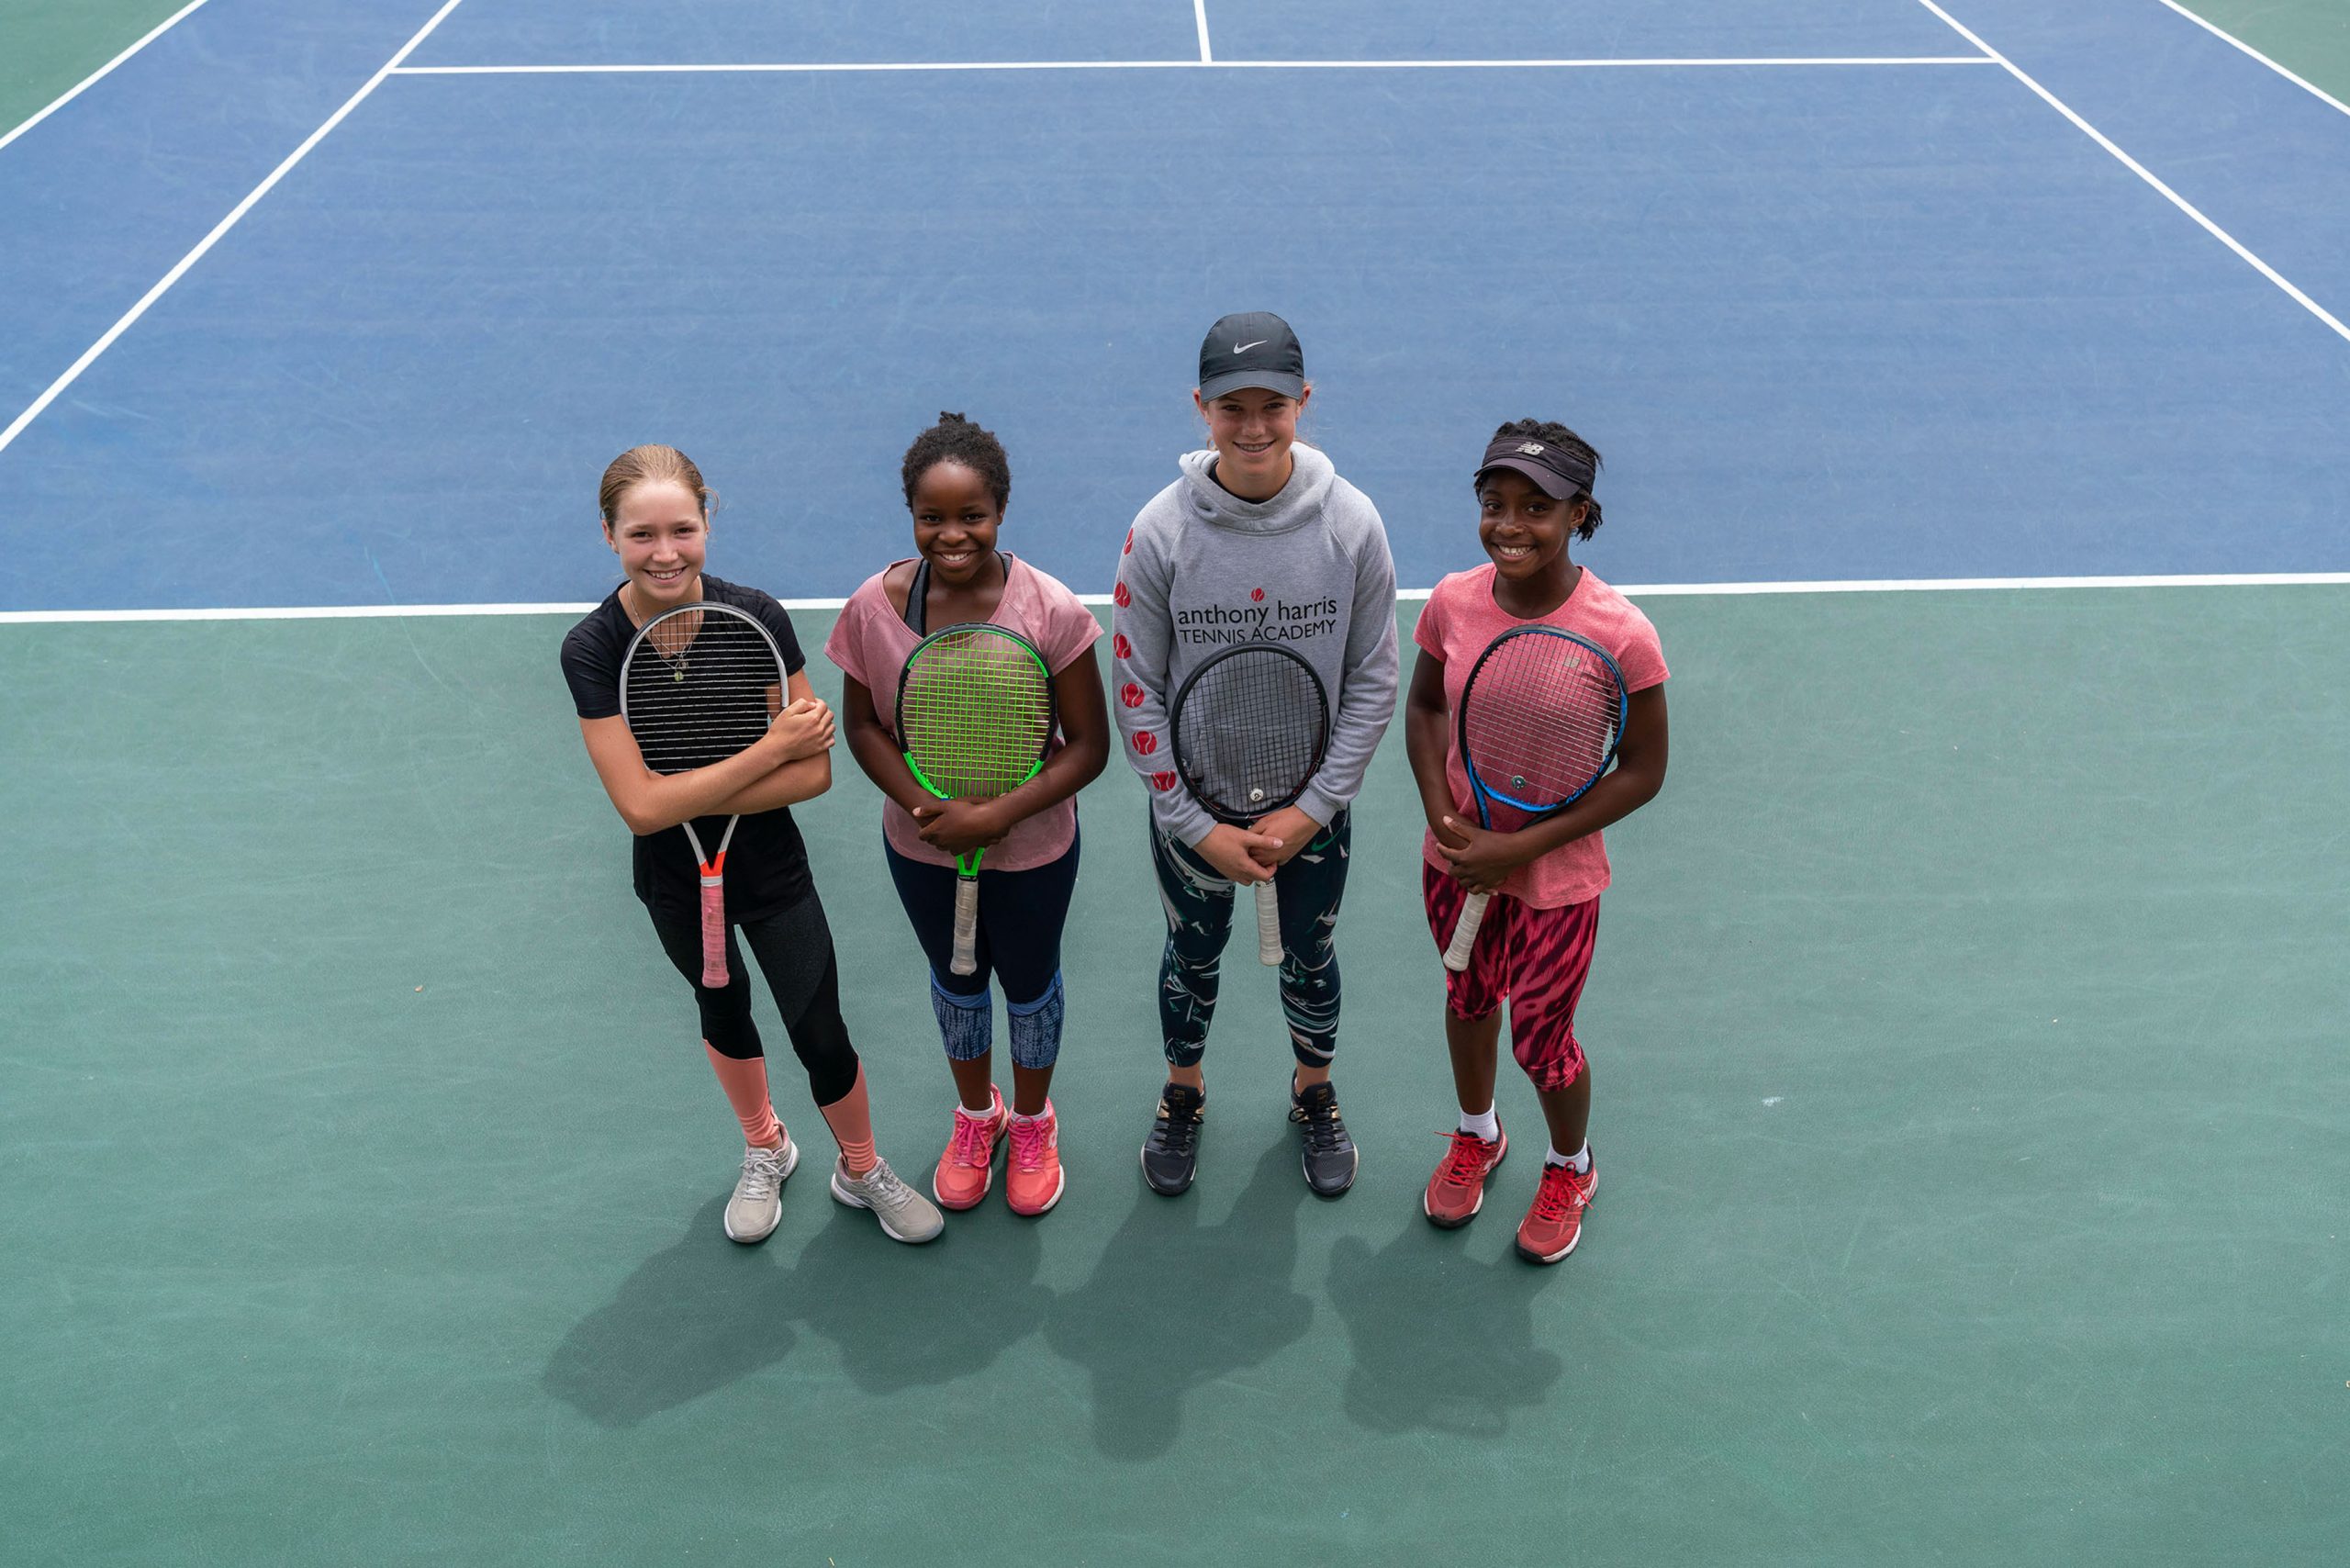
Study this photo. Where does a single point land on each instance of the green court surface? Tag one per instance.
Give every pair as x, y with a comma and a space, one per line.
52, 44
1966, 1036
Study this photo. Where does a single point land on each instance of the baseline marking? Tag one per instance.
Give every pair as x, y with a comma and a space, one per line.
2226, 37
762, 67
1200, 20
1642, 590
92, 80
90, 355
2176, 200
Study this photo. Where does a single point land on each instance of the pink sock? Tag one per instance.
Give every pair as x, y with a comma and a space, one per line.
745, 1078
851, 1119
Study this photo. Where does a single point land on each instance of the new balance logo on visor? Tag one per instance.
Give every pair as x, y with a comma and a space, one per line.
1532, 449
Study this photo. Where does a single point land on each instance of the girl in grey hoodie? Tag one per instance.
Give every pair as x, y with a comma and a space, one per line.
1259, 539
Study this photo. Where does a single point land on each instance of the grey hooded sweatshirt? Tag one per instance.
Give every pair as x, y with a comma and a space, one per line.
1203, 569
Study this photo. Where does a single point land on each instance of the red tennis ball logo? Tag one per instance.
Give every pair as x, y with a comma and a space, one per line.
1144, 742
1162, 783
1130, 694
1256, 596
1123, 648
1130, 544
1118, 595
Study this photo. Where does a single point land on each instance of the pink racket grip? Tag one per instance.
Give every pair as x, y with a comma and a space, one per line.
713, 930
1464, 931
1268, 924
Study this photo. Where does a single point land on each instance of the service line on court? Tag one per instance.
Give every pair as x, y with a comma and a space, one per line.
269, 182
2176, 200
94, 77
789, 67
1637, 590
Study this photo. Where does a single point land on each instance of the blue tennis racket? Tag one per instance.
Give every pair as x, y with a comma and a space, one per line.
1541, 717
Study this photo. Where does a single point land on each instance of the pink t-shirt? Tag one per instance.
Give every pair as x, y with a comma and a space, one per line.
1460, 620
872, 642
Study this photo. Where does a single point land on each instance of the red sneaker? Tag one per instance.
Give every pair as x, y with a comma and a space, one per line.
1457, 1190
1554, 1225
969, 1165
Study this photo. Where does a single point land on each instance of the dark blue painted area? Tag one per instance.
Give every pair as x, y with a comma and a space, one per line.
102, 198
1545, 29
1838, 323
729, 32
2267, 161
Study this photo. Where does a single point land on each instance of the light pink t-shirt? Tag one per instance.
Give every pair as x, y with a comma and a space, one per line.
871, 641
1460, 620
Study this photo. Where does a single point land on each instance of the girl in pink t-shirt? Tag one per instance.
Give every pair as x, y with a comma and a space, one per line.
1534, 950
958, 483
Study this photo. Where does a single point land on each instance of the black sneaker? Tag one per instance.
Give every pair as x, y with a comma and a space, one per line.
1171, 1154
1329, 1152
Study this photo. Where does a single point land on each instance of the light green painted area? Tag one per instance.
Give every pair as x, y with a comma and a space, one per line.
1966, 1028
2309, 38
46, 45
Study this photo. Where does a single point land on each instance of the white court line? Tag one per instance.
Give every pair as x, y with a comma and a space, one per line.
2176, 200
90, 355
87, 83
2227, 37
1200, 19
1645, 590
768, 67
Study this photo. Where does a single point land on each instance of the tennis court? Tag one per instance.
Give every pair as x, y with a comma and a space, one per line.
1966, 1021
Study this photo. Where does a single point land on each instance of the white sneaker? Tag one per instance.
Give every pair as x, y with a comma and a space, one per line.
905, 1214
758, 1204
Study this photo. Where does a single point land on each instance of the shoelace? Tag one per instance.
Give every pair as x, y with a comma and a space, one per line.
969, 1144
1183, 1123
1464, 1162
762, 1172
1557, 1195
1324, 1130
1028, 1145
881, 1185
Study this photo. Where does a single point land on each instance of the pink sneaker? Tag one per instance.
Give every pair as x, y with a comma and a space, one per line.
968, 1164
1032, 1178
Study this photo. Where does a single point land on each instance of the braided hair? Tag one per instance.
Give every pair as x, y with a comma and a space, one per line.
1553, 434
955, 439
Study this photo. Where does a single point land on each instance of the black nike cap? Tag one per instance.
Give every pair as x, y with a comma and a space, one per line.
1255, 348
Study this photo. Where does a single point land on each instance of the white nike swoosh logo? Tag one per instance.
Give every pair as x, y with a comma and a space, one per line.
1244, 348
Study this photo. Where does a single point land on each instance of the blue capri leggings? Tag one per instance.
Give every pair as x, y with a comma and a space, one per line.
1021, 916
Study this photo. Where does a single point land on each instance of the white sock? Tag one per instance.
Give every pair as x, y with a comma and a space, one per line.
976, 1115
1484, 1124
1039, 1116
1580, 1160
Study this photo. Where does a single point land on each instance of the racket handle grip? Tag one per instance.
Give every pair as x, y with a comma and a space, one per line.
967, 925
1268, 924
713, 931
1464, 931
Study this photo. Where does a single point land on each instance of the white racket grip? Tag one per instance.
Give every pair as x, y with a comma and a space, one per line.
1464, 931
713, 931
1268, 924
967, 925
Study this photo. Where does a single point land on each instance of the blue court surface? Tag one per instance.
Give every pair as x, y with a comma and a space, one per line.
1966, 1026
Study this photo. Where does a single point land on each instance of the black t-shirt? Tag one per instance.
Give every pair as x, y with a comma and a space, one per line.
767, 865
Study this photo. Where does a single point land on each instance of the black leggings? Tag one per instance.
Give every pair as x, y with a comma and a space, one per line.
794, 947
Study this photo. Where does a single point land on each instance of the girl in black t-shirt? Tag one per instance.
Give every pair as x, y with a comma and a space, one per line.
655, 513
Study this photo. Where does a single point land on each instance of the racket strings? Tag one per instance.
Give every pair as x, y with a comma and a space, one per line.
699, 697
1250, 732
975, 712
1540, 720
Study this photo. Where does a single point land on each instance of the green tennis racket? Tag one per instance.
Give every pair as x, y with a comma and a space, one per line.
975, 720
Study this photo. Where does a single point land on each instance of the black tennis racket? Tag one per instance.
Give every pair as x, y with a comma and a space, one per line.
1250, 729
975, 720
698, 686
1541, 717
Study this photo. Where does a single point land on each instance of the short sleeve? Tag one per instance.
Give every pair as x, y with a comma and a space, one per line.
1427, 631
845, 646
777, 620
1069, 628
1641, 657
592, 672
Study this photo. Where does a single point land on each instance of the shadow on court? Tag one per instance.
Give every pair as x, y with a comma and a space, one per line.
1174, 1304
1407, 1373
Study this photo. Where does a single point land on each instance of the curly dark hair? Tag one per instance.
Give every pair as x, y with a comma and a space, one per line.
955, 439
1553, 433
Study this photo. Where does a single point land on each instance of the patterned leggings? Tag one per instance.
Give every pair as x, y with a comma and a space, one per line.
1199, 902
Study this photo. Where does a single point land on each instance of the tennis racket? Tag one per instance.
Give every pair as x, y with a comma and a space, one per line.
698, 686
1540, 716
975, 720
1250, 727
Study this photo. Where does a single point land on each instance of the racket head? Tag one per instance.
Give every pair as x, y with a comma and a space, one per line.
975, 712
698, 684
1541, 715
1250, 729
